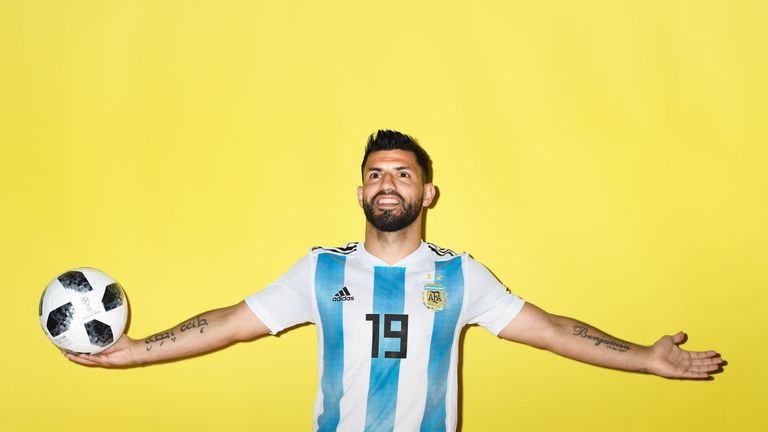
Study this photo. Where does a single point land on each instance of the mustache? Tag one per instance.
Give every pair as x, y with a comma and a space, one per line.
387, 193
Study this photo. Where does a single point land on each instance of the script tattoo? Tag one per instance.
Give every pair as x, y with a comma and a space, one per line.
583, 332
197, 322
160, 338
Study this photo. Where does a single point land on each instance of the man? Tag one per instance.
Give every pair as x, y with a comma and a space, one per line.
389, 313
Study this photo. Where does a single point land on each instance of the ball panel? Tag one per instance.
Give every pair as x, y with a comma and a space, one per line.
60, 319
113, 296
75, 280
99, 334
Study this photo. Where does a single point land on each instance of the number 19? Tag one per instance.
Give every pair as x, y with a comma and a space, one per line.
401, 334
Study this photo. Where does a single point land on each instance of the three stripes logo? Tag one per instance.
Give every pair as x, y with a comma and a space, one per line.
343, 295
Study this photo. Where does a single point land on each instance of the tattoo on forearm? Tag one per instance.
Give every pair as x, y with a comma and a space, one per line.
583, 332
160, 338
197, 322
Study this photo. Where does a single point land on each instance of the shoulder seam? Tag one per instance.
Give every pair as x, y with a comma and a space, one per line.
441, 251
342, 250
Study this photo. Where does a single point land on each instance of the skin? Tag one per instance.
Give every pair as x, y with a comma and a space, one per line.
390, 179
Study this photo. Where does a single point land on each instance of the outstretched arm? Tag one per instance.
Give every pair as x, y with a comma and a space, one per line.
205, 332
577, 340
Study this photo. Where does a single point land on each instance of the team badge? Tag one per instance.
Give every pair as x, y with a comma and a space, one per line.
434, 296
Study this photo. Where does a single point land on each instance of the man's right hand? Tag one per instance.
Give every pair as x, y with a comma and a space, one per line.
121, 354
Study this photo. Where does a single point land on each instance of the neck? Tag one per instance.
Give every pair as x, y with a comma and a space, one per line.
391, 247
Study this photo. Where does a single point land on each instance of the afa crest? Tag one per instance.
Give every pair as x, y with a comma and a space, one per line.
434, 296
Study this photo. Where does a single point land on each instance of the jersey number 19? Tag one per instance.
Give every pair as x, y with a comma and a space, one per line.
401, 332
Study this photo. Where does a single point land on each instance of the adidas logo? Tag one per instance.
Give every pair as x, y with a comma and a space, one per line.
343, 295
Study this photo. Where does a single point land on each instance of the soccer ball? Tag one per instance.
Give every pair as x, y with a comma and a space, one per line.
83, 311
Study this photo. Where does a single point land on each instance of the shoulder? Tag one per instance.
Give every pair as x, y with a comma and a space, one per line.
444, 254
348, 249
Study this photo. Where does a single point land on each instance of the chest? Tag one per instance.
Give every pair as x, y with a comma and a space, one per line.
390, 308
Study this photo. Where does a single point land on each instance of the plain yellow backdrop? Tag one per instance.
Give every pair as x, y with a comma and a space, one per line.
606, 159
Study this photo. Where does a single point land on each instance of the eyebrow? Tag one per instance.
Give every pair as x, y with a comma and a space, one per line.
400, 168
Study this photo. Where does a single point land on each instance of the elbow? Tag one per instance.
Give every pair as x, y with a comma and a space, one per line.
552, 330
244, 323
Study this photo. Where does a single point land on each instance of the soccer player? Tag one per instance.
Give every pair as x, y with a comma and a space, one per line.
389, 312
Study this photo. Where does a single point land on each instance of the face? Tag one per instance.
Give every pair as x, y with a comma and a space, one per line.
392, 194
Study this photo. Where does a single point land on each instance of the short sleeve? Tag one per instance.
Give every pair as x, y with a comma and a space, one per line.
489, 303
287, 301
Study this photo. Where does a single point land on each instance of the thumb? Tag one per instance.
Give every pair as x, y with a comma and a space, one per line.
679, 338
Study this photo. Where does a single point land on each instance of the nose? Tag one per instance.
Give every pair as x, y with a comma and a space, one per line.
387, 183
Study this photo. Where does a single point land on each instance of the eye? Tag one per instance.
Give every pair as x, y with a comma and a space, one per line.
404, 174
374, 175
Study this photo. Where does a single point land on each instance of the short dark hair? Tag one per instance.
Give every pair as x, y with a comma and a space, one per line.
393, 140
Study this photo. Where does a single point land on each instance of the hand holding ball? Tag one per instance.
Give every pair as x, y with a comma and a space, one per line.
83, 311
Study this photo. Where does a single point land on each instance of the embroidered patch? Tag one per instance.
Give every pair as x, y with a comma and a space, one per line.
434, 296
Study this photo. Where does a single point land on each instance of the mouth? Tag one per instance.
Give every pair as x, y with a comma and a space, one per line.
387, 201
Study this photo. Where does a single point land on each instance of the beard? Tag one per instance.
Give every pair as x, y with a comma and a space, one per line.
389, 220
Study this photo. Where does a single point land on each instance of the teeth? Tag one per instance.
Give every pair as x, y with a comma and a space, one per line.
388, 201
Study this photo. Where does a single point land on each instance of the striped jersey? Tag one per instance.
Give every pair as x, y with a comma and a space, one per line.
387, 335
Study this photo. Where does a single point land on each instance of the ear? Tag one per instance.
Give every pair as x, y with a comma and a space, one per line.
429, 195
360, 196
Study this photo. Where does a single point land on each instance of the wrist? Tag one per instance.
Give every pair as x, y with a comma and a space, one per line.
138, 354
645, 360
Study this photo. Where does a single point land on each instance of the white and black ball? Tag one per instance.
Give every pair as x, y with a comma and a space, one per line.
83, 311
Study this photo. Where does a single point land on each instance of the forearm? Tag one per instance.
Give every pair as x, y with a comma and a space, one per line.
574, 339
202, 333
580, 341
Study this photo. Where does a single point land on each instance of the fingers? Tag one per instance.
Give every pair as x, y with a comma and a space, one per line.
695, 372
708, 357
705, 358
86, 359
704, 367
696, 375
79, 358
701, 371
703, 354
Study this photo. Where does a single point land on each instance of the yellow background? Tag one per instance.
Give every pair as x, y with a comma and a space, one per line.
606, 159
